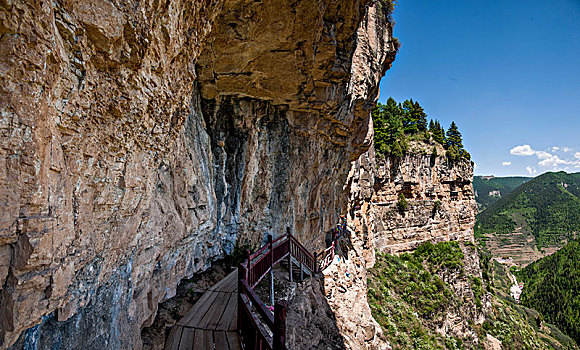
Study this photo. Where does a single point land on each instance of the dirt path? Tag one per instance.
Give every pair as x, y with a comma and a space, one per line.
515, 289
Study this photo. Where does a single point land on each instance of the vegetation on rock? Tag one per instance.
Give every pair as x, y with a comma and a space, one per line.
409, 297
402, 204
515, 325
406, 294
396, 124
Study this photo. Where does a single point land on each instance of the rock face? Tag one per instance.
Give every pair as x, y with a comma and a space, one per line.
376, 224
141, 140
439, 195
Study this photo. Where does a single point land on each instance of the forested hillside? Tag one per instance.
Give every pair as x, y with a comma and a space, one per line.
552, 287
484, 186
548, 206
410, 296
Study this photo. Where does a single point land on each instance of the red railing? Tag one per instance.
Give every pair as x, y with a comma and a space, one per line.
326, 257
258, 328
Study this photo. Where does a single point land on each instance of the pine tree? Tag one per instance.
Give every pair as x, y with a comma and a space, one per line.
431, 126
453, 138
409, 118
388, 124
415, 119
420, 116
438, 133
394, 127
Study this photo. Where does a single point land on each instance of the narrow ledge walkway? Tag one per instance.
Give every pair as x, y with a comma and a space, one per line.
211, 323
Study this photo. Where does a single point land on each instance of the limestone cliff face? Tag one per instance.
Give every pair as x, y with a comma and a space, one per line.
376, 224
440, 198
141, 140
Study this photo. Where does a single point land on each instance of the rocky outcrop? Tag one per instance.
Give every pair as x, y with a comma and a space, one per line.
376, 224
440, 201
141, 140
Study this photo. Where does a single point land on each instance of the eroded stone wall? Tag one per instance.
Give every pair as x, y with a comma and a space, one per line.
440, 201
141, 140
376, 224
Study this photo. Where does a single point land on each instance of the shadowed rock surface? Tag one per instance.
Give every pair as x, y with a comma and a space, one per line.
141, 140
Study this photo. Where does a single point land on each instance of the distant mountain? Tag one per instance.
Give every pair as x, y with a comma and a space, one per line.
552, 287
489, 189
547, 206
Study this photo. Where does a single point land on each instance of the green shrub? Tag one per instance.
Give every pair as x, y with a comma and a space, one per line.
402, 204
405, 293
436, 205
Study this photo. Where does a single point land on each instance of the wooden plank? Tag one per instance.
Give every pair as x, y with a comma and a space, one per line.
215, 312
219, 286
212, 324
201, 322
232, 285
233, 340
203, 339
172, 342
234, 324
197, 308
203, 310
201, 307
221, 341
226, 284
187, 339
224, 322
208, 340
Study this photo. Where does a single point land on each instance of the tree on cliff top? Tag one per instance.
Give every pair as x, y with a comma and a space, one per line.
454, 144
454, 138
414, 119
388, 126
396, 124
437, 131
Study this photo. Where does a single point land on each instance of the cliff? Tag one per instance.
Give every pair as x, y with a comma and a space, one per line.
142, 140
440, 201
375, 224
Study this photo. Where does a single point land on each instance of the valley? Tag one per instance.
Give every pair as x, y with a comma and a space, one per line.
532, 221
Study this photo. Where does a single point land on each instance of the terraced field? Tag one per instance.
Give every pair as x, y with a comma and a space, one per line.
520, 246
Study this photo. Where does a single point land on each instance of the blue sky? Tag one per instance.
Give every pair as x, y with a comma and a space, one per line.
507, 72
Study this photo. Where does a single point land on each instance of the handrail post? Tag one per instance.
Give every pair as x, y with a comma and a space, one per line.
249, 266
315, 262
241, 276
271, 269
288, 234
279, 331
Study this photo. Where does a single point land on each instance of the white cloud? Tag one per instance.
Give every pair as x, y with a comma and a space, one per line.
543, 155
547, 158
524, 150
551, 161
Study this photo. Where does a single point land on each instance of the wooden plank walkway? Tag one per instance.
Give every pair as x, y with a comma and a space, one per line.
211, 323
